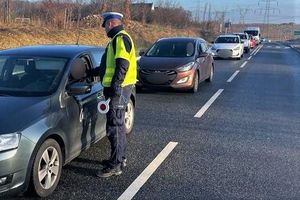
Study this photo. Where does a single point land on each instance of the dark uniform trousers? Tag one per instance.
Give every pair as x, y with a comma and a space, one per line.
115, 127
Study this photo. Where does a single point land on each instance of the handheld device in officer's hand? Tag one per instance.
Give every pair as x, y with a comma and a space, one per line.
103, 106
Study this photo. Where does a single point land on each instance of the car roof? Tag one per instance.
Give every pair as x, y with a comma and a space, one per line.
65, 51
229, 35
182, 39
240, 33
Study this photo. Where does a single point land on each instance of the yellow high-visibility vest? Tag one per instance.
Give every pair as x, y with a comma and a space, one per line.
131, 75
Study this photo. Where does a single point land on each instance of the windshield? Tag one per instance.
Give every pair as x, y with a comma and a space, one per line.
242, 36
227, 40
30, 76
172, 49
254, 33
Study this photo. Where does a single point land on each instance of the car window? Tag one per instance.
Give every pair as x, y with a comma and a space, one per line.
172, 49
78, 70
227, 40
243, 36
30, 76
254, 33
2, 62
96, 56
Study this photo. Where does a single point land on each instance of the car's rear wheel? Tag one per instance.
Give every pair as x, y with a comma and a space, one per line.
210, 78
195, 83
47, 168
129, 117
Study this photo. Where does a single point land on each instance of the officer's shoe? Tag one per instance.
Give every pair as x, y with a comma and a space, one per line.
109, 171
106, 163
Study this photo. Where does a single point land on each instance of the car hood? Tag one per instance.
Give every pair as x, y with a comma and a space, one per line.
225, 45
163, 63
17, 113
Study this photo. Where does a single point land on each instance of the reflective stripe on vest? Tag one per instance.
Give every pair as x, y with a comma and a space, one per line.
131, 75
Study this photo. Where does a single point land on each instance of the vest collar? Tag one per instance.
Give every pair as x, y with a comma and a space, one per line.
114, 31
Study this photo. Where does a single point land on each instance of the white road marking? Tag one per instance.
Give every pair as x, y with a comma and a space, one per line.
258, 49
245, 63
277, 47
254, 51
208, 104
233, 75
250, 58
145, 175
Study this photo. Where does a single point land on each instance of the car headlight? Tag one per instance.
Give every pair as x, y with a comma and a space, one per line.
186, 67
236, 48
9, 141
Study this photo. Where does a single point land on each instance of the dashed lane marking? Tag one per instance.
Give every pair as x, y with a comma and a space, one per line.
244, 64
201, 112
233, 76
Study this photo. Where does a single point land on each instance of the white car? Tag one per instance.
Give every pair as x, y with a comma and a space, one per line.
228, 46
245, 40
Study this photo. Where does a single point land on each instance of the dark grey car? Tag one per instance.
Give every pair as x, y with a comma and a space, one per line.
47, 116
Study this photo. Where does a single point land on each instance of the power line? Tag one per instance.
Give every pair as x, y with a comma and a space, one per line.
268, 7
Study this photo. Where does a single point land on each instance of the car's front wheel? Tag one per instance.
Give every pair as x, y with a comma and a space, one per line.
129, 117
195, 83
47, 168
211, 75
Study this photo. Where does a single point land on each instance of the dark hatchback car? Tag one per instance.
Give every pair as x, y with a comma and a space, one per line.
179, 63
47, 116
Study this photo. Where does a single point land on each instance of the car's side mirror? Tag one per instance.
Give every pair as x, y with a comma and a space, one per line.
142, 52
78, 88
212, 42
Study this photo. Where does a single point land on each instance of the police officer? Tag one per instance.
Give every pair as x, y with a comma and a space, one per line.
118, 73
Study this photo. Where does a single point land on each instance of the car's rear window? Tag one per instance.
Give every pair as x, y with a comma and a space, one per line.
172, 49
242, 36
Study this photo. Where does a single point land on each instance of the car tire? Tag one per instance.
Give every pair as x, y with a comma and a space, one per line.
195, 83
47, 167
211, 75
129, 117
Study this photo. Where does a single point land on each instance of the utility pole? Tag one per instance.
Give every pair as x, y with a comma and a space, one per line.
268, 7
204, 13
243, 13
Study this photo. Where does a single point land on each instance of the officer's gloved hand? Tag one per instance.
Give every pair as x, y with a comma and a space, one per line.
108, 93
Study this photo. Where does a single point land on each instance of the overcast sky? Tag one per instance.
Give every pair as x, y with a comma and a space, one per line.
285, 11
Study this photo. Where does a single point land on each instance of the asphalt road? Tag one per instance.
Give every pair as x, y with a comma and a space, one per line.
245, 146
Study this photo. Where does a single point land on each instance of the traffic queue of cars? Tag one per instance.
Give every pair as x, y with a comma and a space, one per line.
236, 44
49, 105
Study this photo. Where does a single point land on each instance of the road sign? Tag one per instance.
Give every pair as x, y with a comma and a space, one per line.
297, 32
